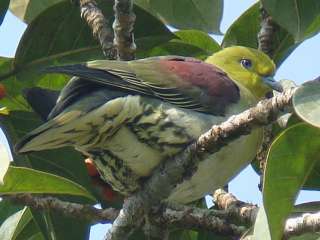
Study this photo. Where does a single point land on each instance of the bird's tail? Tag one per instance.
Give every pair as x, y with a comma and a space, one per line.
57, 132
41, 100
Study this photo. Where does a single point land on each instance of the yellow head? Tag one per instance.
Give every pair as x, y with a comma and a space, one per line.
249, 67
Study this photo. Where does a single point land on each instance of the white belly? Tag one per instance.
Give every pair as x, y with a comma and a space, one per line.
218, 169
213, 172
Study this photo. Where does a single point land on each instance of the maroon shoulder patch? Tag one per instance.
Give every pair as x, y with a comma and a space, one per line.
219, 90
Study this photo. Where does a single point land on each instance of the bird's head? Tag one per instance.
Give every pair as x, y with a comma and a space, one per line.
249, 67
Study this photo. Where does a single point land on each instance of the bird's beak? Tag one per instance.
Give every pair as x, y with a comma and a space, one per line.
271, 82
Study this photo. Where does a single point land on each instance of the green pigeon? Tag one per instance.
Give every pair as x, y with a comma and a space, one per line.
128, 116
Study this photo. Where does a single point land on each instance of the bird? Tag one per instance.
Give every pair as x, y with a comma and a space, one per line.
129, 116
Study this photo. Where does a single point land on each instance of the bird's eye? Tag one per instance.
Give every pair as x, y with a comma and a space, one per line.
246, 63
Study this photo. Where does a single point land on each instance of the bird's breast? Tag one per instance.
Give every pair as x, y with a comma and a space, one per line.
132, 142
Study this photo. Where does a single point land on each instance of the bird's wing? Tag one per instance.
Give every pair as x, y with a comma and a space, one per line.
184, 82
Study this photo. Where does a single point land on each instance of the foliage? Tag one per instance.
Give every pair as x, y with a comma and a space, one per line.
51, 39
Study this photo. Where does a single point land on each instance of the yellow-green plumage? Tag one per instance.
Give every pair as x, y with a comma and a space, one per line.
145, 111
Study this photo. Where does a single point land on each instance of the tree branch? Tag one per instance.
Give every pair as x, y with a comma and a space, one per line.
186, 217
194, 218
236, 210
307, 223
75, 210
168, 215
247, 213
173, 171
99, 25
123, 29
266, 45
266, 34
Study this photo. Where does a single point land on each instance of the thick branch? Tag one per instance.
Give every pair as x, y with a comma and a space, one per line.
123, 29
173, 171
246, 212
99, 25
266, 34
177, 215
75, 210
307, 223
188, 217
236, 210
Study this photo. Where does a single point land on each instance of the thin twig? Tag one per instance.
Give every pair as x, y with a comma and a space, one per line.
172, 171
99, 25
123, 29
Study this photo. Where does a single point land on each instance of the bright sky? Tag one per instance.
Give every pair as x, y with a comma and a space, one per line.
302, 65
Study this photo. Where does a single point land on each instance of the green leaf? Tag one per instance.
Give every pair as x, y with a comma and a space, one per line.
306, 102
205, 235
4, 4
245, 29
176, 48
261, 226
61, 44
190, 43
307, 236
301, 18
198, 39
20, 226
308, 207
27, 10
26, 180
313, 180
290, 161
183, 235
7, 209
56, 226
202, 15
5, 65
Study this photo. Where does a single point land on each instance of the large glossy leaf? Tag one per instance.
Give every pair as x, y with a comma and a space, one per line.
306, 102
301, 18
290, 161
313, 180
20, 226
7, 208
4, 4
27, 180
27, 10
307, 207
198, 39
245, 29
176, 48
189, 43
56, 226
58, 36
5, 65
307, 236
203, 15
183, 235
261, 226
